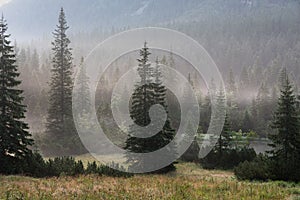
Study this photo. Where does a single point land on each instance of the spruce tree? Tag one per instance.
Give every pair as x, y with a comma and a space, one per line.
224, 140
218, 157
148, 92
15, 139
60, 127
244, 81
82, 94
247, 124
231, 89
286, 140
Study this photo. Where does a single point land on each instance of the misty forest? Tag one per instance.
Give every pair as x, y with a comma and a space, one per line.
43, 47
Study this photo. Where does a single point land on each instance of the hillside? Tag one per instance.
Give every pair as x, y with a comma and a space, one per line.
36, 17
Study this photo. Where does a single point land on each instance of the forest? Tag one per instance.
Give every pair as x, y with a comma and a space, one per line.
256, 47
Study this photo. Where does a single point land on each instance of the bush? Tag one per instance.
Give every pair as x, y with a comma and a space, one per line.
114, 170
111, 170
229, 158
191, 154
34, 165
92, 168
258, 169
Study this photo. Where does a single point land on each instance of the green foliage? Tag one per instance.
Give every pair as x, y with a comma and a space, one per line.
258, 169
92, 168
231, 148
14, 136
149, 92
60, 128
82, 96
113, 170
34, 165
283, 161
286, 140
229, 159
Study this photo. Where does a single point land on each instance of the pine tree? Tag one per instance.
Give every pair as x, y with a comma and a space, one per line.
282, 77
224, 140
244, 80
82, 94
205, 113
231, 89
247, 124
15, 139
60, 126
35, 65
148, 92
286, 140
263, 102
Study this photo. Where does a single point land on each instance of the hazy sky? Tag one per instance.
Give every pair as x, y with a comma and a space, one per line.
4, 2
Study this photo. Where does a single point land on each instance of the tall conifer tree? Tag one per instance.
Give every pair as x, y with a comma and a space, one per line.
60, 125
82, 95
148, 92
286, 140
225, 138
14, 136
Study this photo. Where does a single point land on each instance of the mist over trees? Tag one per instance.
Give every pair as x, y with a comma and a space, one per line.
251, 44
254, 43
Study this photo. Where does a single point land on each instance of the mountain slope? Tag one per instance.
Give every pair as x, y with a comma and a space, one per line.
35, 17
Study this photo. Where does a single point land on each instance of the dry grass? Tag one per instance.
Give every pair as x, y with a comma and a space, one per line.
189, 182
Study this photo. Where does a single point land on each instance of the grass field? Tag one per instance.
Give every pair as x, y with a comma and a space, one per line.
189, 182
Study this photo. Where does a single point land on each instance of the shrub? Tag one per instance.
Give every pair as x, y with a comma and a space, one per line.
258, 169
34, 165
191, 154
92, 168
64, 166
229, 158
113, 170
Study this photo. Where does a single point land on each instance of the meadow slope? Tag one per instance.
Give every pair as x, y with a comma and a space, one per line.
189, 182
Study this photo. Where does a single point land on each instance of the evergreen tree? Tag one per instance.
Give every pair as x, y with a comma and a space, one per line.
148, 92
14, 136
205, 113
298, 103
263, 102
247, 124
224, 140
35, 65
60, 126
244, 80
282, 77
82, 94
231, 89
286, 140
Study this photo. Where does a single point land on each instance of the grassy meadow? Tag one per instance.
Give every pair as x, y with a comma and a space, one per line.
188, 182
